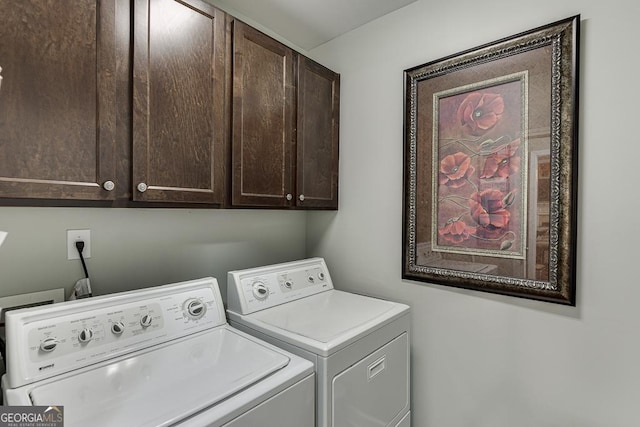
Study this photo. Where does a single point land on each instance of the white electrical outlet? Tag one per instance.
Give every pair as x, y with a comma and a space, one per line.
76, 235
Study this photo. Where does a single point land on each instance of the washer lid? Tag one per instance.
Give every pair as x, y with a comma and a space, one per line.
162, 386
326, 322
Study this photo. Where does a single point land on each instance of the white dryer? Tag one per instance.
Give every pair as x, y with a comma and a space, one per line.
153, 357
359, 345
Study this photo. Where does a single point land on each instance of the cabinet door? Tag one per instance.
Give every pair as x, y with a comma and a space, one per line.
262, 119
57, 99
179, 101
317, 135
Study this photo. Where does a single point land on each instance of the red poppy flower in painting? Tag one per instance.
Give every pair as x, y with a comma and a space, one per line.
479, 112
502, 163
455, 169
456, 231
488, 210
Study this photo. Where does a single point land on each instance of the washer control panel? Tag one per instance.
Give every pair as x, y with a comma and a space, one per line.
259, 288
67, 336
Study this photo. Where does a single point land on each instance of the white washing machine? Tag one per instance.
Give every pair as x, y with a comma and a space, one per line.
153, 357
359, 345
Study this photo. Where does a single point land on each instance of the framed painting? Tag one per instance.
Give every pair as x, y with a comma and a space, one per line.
490, 174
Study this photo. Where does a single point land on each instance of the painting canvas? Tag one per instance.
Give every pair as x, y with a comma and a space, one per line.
480, 168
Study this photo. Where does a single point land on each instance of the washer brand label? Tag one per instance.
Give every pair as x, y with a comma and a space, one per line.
42, 368
31, 416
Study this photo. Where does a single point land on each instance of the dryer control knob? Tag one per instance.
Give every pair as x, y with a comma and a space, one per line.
260, 291
117, 328
49, 344
85, 335
145, 321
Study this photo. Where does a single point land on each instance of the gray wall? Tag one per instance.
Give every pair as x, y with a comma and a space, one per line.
479, 359
136, 248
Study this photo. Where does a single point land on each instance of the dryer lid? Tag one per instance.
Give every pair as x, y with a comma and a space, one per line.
162, 386
325, 322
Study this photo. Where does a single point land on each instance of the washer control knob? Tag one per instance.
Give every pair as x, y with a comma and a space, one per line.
117, 328
311, 279
321, 276
49, 344
260, 291
85, 335
196, 309
145, 321
288, 284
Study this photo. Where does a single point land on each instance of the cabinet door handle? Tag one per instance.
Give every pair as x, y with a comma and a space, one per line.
142, 187
109, 185
0, 77
301, 197
289, 196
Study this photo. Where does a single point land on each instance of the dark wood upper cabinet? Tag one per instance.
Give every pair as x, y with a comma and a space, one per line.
57, 99
179, 102
160, 103
263, 119
284, 129
317, 142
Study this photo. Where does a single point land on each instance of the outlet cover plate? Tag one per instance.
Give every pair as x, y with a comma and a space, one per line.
72, 237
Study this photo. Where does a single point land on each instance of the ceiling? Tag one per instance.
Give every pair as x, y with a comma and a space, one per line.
310, 23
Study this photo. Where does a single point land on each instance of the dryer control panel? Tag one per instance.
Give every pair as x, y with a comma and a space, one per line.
255, 289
